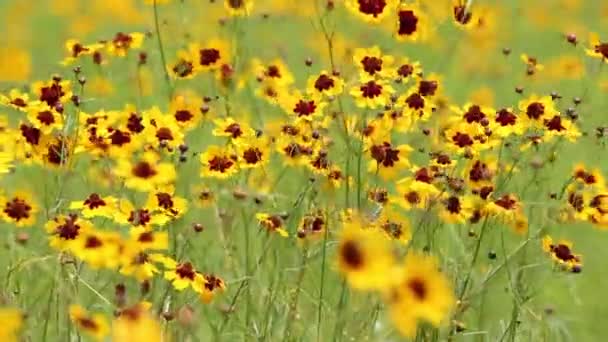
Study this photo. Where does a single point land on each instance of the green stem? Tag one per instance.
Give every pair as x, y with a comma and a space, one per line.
162, 51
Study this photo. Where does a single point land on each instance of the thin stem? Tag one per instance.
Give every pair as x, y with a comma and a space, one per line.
162, 51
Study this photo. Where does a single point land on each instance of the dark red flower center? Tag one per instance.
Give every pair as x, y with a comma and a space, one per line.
69, 229
220, 164
462, 139
371, 89
384, 154
134, 123
30, 133
371, 64
208, 57
305, 108
408, 23
17, 209
418, 288
143, 169
46, 117
183, 115
234, 129
535, 110
555, 124
428, 87
415, 101
372, 7
185, 271
252, 155
324, 82
506, 118
474, 114
94, 201
351, 254
453, 205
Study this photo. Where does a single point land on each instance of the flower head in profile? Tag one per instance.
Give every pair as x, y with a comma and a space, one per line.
94, 325
562, 254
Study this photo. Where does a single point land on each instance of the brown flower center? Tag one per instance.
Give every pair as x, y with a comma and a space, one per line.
144, 170
408, 23
352, 255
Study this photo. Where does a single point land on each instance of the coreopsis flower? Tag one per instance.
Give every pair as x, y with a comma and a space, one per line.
364, 257
45, 118
138, 264
76, 49
16, 99
66, 230
146, 173
238, 7
275, 72
295, 151
54, 93
372, 94
145, 240
559, 126
186, 110
12, 322
139, 217
505, 123
165, 201
304, 107
233, 129
597, 48
588, 178
94, 325
456, 209
462, 14
416, 192
388, 160
413, 107
535, 110
19, 209
122, 43
212, 54
461, 138
272, 223
136, 323
96, 206
473, 114
371, 11
203, 196
184, 66
181, 275
405, 69
163, 129
253, 152
372, 63
480, 173
209, 286
312, 227
412, 23
218, 162
99, 249
394, 225
562, 254
325, 84
422, 293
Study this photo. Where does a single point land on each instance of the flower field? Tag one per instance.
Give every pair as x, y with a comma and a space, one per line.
282, 170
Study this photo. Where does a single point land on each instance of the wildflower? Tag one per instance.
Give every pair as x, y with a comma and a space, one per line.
136, 323
303, 106
146, 173
186, 110
324, 84
99, 249
122, 43
65, 231
462, 14
19, 209
508, 209
387, 159
95, 205
233, 129
203, 196
145, 217
54, 93
598, 49
138, 264
94, 325
164, 130
181, 275
272, 223
16, 100
562, 254
294, 151
238, 7
149, 240
372, 94
372, 11
406, 69
588, 178
75, 50
218, 162
184, 67
536, 109
364, 257
505, 123
312, 226
561, 127
12, 321
422, 294
208, 286
417, 192
253, 152
415, 106
274, 73
412, 23
372, 63
456, 209
211, 55
164, 200
394, 225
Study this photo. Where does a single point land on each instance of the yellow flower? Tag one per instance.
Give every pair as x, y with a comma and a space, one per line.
387, 160
186, 110
371, 11
208, 286
66, 231
228, 127
19, 209
364, 257
272, 223
412, 23
218, 162
145, 174
325, 84
99, 249
372, 63
456, 209
372, 94
422, 293
394, 225
17, 99
95, 205
122, 43
561, 253
75, 49
181, 275
12, 321
598, 49
136, 324
238, 7
94, 325
164, 200
211, 55
275, 72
